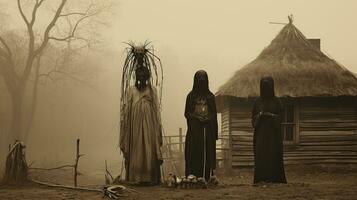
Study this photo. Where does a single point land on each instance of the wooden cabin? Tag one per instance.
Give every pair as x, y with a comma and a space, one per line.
319, 97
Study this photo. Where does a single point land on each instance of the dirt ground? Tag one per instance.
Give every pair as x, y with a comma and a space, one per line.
317, 182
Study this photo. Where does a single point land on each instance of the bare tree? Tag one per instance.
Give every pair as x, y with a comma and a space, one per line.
17, 75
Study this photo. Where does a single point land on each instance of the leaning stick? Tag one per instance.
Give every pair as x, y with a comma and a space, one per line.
66, 187
76, 164
78, 188
107, 171
60, 167
111, 194
13, 147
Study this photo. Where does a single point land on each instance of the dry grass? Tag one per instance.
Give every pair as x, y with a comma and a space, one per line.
305, 182
298, 68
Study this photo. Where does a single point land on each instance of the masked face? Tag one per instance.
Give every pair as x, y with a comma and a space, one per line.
200, 83
142, 77
267, 87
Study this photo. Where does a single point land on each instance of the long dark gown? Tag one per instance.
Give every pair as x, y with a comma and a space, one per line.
268, 141
141, 136
194, 144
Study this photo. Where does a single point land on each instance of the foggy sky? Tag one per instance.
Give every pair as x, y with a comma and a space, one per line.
217, 36
222, 36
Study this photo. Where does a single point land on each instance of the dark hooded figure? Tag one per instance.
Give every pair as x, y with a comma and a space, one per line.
202, 129
268, 140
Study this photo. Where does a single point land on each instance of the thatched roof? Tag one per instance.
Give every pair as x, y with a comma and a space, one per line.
299, 70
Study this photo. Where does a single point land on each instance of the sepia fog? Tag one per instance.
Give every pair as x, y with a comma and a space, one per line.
217, 36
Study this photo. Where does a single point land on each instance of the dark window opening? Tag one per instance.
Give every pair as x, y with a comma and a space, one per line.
288, 123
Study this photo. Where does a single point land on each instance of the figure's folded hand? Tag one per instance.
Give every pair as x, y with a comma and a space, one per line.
270, 114
203, 119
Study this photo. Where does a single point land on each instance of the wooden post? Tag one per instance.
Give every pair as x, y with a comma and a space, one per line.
180, 141
76, 165
230, 142
169, 144
297, 123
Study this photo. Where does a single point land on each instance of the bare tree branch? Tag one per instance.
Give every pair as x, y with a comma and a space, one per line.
78, 13
72, 34
66, 74
26, 57
40, 2
48, 75
34, 11
22, 13
73, 13
32, 52
50, 26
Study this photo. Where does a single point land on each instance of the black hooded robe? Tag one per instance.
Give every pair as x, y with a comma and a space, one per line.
268, 139
195, 144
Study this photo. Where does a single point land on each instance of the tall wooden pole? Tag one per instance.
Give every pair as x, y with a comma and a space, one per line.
180, 140
169, 144
76, 164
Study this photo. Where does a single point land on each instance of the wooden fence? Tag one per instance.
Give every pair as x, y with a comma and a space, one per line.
175, 145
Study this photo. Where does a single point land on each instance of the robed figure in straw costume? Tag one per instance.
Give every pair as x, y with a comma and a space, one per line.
140, 123
268, 138
202, 129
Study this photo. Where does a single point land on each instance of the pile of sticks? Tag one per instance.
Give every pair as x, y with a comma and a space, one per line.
16, 169
16, 172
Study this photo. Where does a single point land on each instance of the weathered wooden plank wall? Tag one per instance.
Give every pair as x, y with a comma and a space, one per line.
241, 132
225, 130
327, 132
